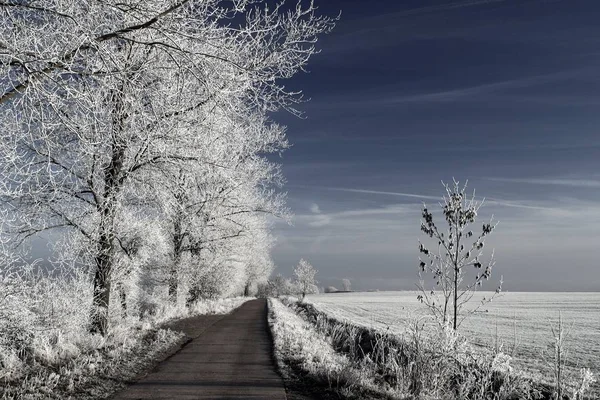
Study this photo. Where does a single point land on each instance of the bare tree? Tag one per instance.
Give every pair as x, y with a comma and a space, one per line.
449, 263
305, 277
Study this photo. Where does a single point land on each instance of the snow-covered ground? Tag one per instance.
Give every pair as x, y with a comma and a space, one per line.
520, 320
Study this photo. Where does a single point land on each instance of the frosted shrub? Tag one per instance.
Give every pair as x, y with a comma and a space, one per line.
17, 306
56, 347
450, 341
586, 379
11, 365
501, 363
44, 332
39, 319
558, 359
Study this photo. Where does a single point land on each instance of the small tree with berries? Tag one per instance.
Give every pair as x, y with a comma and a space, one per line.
456, 265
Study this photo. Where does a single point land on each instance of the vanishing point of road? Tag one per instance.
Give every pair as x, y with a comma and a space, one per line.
231, 359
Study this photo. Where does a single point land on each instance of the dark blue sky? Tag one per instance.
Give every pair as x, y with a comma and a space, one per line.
405, 94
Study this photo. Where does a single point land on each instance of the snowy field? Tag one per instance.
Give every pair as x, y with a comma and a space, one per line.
522, 320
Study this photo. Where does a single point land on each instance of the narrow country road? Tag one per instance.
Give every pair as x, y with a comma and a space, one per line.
229, 360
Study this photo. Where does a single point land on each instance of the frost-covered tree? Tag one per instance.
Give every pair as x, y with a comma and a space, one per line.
257, 260
346, 284
305, 278
279, 286
98, 96
456, 263
242, 260
140, 255
205, 205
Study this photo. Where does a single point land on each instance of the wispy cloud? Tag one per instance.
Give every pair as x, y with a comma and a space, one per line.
444, 7
584, 183
387, 210
486, 88
401, 194
320, 219
488, 200
434, 23
528, 205
498, 88
317, 218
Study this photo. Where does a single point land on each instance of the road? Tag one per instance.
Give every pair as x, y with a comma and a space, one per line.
231, 359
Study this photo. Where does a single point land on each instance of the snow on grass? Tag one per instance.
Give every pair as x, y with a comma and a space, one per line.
93, 368
170, 312
218, 306
519, 323
47, 351
300, 349
425, 365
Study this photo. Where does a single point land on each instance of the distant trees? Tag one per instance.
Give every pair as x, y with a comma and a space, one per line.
346, 285
276, 286
331, 289
305, 278
456, 265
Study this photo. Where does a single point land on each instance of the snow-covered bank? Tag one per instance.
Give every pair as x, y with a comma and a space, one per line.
420, 363
303, 353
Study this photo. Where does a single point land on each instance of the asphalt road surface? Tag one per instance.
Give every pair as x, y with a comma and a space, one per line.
231, 359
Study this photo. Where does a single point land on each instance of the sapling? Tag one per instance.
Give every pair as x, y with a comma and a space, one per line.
559, 346
449, 263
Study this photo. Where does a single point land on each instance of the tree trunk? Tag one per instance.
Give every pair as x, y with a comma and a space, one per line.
123, 298
247, 289
193, 295
173, 283
458, 234
113, 180
177, 250
194, 290
446, 300
455, 296
101, 299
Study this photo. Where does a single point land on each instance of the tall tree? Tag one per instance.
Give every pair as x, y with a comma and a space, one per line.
97, 95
